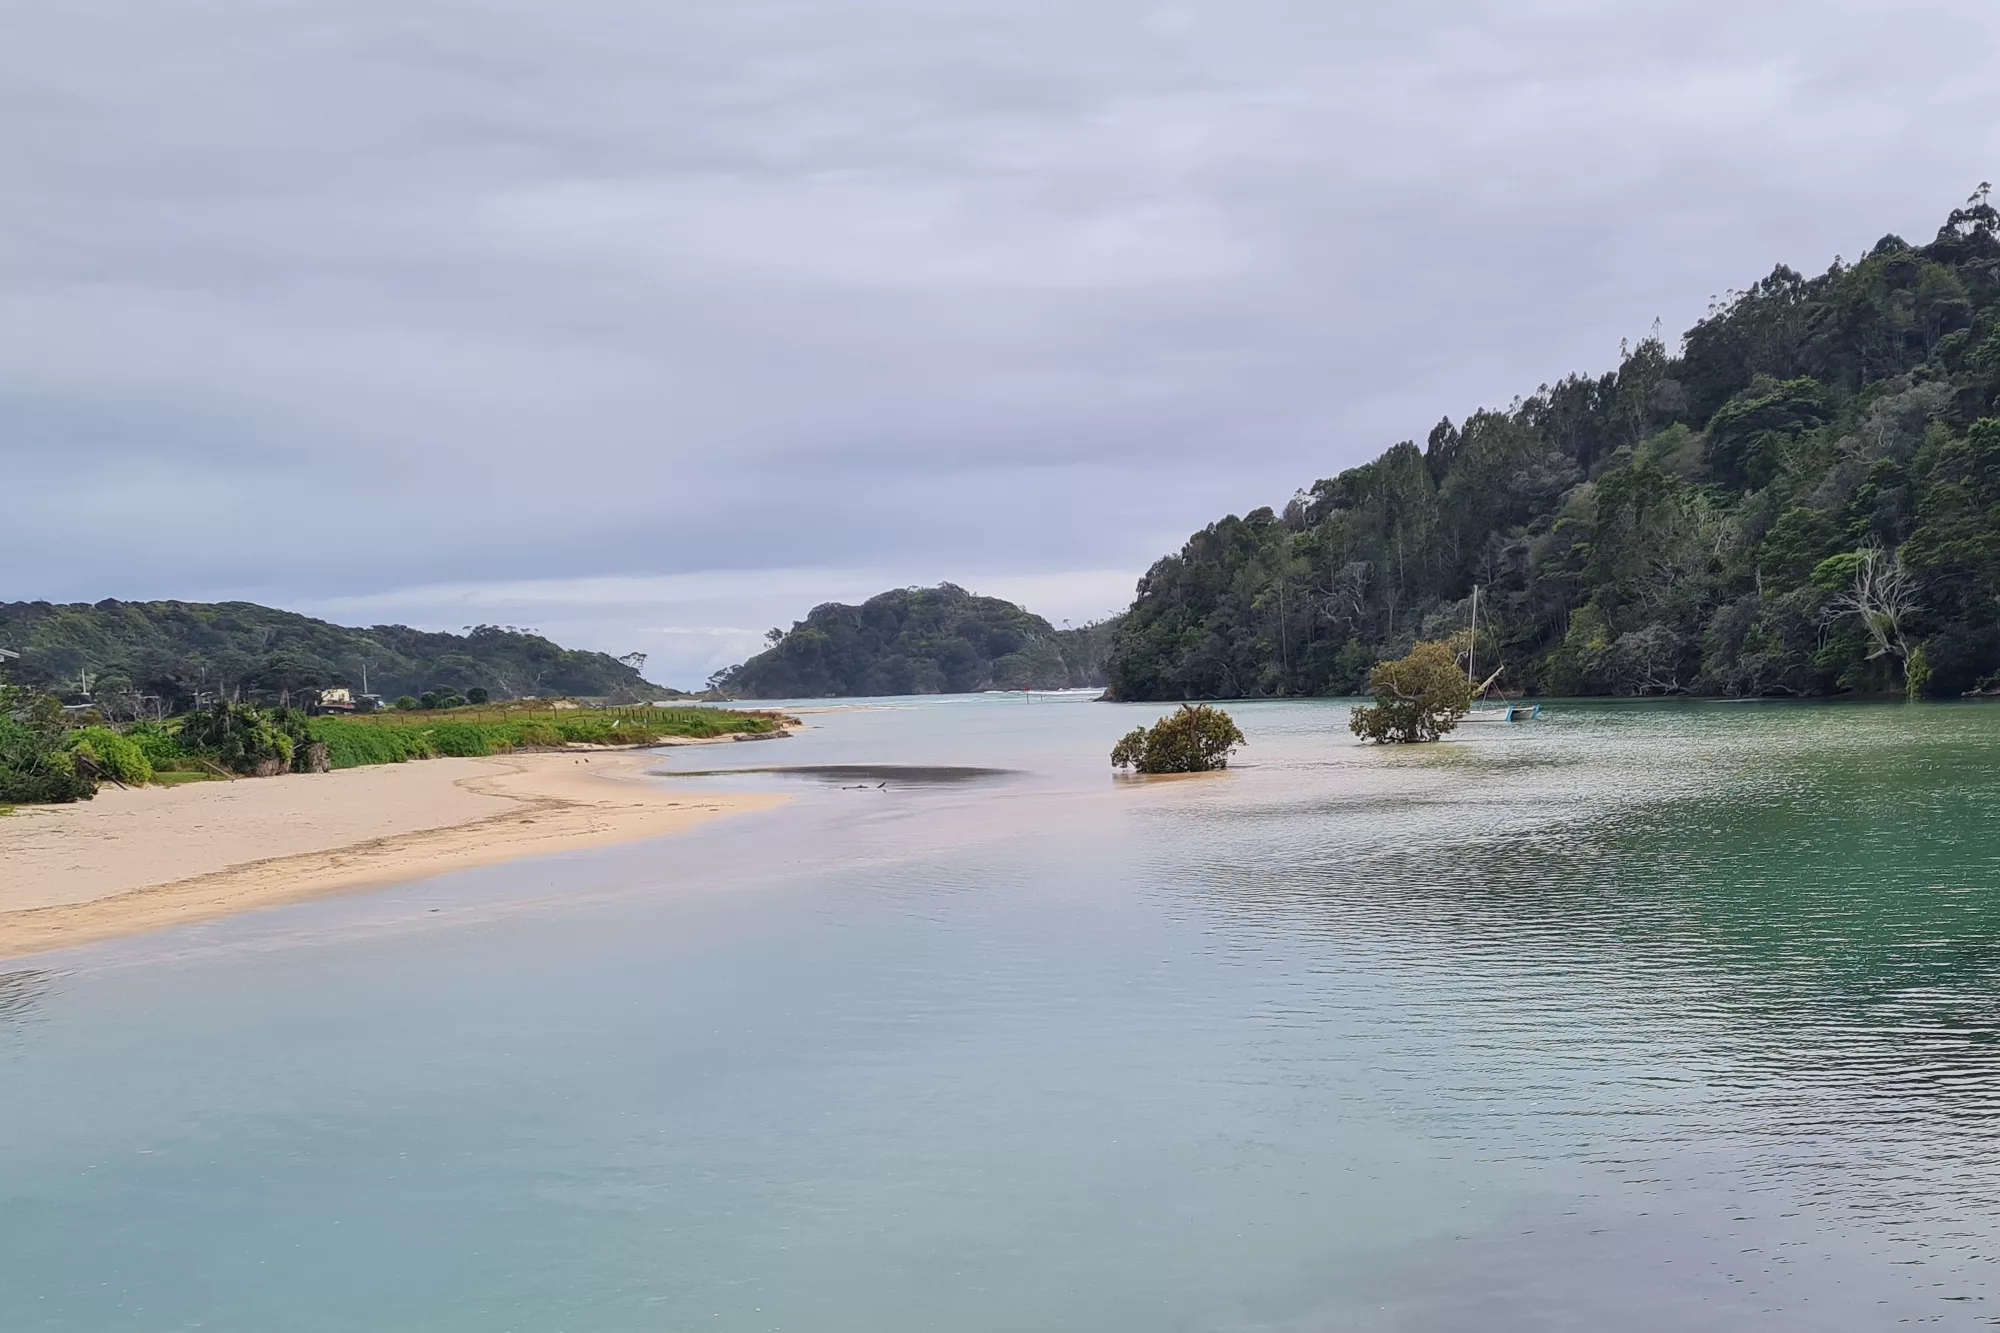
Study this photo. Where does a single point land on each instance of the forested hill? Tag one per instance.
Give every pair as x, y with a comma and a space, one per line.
941, 640
1803, 500
179, 649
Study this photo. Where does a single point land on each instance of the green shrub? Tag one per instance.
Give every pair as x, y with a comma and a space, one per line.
1195, 739
358, 744
161, 747
1417, 698
468, 740
390, 738
1917, 673
50, 777
34, 766
538, 736
406, 703
111, 755
245, 739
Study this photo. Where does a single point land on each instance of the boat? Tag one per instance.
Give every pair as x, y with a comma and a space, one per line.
1512, 712
1503, 711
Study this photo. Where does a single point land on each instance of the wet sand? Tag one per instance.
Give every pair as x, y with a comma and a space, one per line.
133, 861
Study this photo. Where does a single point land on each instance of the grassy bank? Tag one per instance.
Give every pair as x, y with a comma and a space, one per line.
48, 755
394, 737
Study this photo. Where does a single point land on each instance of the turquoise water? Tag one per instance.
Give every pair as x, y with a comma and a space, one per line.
1675, 1017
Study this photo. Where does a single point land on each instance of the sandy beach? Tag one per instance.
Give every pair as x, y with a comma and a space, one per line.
133, 861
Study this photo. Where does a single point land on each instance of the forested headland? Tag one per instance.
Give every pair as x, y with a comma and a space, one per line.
1803, 499
175, 654
941, 640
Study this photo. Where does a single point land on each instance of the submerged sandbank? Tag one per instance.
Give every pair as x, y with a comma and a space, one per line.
133, 861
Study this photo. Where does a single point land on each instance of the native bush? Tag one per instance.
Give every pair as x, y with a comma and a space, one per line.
389, 738
1676, 524
539, 736
357, 744
1195, 739
469, 740
1417, 698
244, 738
161, 747
34, 766
108, 754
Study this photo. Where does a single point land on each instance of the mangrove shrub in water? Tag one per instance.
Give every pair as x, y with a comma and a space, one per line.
1417, 698
1193, 740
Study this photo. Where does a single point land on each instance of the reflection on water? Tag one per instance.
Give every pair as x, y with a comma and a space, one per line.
1661, 1018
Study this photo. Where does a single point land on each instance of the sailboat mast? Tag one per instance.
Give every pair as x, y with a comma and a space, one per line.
1472, 649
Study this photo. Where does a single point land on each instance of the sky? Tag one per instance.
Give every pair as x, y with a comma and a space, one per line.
653, 325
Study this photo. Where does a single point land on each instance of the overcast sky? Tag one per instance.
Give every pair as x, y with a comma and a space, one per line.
653, 324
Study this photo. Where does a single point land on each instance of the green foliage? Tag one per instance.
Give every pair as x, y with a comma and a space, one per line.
1836, 571
463, 740
1918, 673
406, 703
1748, 435
111, 755
245, 739
1194, 739
1417, 698
160, 745
941, 640
179, 651
477, 695
354, 744
1686, 523
389, 738
35, 768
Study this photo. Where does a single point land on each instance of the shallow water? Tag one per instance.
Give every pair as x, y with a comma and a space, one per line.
1673, 1017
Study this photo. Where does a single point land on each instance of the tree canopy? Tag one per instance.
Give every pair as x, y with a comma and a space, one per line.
179, 651
1659, 529
941, 640
1194, 738
1417, 698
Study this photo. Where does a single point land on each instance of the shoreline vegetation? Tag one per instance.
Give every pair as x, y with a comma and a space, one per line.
143, 859
50, 755
112, 827
1799, 499
481, 730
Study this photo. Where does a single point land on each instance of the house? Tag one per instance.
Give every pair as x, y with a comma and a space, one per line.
338, 699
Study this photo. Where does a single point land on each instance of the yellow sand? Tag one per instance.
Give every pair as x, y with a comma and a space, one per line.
133, 861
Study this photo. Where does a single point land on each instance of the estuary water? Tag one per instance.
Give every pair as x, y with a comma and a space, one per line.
1664, 1017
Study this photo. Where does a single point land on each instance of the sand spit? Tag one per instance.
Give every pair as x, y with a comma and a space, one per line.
133, 861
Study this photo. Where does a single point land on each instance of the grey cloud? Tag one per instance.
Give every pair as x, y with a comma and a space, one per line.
478, 294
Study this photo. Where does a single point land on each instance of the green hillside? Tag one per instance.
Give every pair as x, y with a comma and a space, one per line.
1802, 499
178, 650
941, 640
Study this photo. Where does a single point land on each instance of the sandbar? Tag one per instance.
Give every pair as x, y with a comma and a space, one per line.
140, 860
